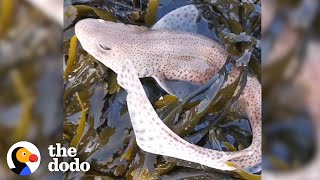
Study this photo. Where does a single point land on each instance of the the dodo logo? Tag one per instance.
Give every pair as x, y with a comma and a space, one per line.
23, 158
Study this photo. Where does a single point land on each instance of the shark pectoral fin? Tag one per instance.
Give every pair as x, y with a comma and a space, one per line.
178, 88
181, 89
254, 169
161, 80
182, 19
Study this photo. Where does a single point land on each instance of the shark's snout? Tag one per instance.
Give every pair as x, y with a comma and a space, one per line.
86, 32
90, 31
83, 28
93, 37
88, 26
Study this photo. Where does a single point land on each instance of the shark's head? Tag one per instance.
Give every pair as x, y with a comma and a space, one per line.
102, 39
110, 42
94, 38
105, 40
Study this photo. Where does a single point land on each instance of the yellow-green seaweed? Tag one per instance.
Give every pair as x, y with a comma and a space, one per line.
27, 103
248, 176
103, 14
151, 15
167, 100
230, 146
113, 86
76, 139
6, 13
71, 58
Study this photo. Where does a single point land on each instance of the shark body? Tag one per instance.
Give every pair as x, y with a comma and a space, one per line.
169, 51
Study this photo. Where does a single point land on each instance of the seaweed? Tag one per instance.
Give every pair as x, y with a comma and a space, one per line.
72, 54
27, 105
6, 12
150, 17
82, 123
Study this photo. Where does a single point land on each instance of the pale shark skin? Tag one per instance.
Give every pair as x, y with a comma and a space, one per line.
51, 8
167, 52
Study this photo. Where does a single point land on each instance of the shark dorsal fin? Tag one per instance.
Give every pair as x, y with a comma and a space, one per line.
182, 19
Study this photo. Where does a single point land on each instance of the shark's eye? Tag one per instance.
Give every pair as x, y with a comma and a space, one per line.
104, 47
24, 154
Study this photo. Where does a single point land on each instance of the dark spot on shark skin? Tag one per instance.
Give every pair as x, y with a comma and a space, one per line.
132, 114
142, 131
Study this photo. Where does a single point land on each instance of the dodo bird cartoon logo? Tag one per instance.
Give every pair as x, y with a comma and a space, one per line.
23, 158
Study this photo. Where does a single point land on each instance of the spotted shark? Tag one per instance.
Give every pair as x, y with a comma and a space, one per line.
173, 54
